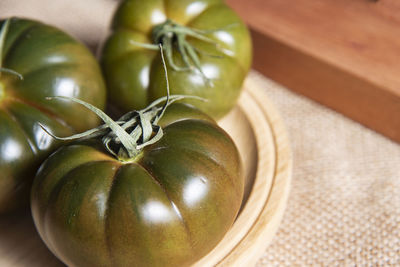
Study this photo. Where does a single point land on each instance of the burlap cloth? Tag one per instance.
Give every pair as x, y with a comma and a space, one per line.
344, 205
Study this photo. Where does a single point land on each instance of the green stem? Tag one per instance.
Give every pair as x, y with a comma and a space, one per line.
10, 71
3, 33
171, 34
135, 130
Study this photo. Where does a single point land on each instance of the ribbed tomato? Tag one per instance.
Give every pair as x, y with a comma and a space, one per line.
51, 63
167, 206
207, 45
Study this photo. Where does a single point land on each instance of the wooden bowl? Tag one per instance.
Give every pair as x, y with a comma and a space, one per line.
258, 131
260, 136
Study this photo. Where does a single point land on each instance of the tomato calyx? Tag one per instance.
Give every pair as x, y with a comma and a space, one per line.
126, 137
173, 35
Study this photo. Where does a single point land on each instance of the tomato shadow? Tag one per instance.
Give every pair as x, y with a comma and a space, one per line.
20, 244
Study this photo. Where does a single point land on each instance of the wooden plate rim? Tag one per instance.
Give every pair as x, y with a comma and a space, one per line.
265, 169
250, 248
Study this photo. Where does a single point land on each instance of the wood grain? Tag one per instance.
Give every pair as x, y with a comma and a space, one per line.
343, 54
258, 132
260, 218
253, 244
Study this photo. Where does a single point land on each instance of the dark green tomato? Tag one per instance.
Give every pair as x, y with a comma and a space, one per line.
135, 75
52, 63
168, 207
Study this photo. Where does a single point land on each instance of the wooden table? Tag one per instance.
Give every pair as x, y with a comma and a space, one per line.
343, 54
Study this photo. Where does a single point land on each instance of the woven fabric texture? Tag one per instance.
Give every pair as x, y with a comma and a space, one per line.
344, 205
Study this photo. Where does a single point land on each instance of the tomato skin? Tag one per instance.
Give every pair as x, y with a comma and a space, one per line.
168, 208
135, 75
52, 63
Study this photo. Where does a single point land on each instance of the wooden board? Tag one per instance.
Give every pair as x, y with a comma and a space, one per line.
260, 136
343, 54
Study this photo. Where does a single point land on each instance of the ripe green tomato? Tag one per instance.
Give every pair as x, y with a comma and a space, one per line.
135, 76
52, 63
168, 207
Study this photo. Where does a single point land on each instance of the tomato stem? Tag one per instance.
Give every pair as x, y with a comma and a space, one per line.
3, 33
10, 71
126, 137
171, 34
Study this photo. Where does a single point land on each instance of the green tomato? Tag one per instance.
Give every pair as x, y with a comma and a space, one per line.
135, 75
167, 207
51, 63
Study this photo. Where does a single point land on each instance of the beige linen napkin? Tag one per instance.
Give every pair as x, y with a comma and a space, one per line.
344, 206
